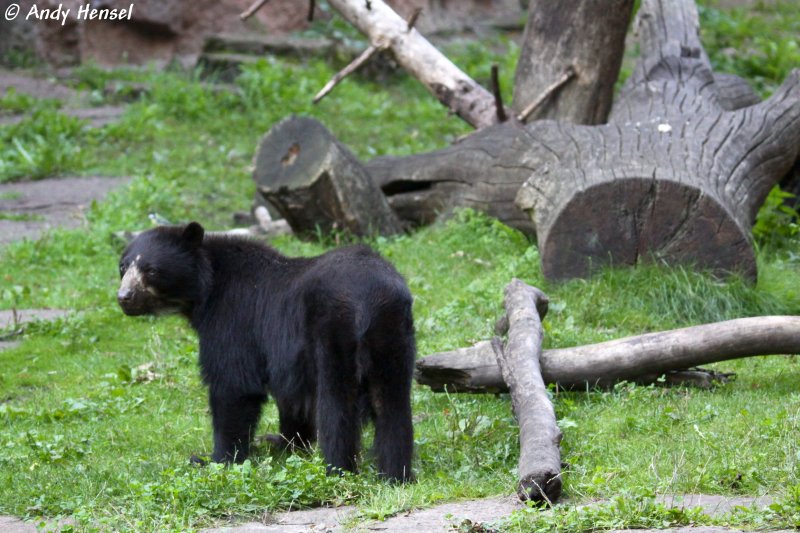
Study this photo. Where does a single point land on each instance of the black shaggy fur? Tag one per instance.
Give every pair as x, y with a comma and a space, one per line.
330, 338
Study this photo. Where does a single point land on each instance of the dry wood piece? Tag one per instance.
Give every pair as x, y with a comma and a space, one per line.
346, 71
387, 30
539, 436
317, 184
568, 74
258, 4
474, 369
362, 58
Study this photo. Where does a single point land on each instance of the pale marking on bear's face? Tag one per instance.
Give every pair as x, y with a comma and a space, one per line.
132, 279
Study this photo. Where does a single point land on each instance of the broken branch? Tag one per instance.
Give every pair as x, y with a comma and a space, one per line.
346, 71
258, 4
475, 369
539, 436
385, 28
569, 72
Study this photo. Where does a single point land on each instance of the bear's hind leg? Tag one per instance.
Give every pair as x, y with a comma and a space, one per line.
234, 420
338, 421
390, 394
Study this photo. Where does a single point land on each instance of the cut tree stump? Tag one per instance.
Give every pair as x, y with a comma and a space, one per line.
539, 436
317, 184
475, 369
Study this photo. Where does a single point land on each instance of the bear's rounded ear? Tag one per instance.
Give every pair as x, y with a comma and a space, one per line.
193, 233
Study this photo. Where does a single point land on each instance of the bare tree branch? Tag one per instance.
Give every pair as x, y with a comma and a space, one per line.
475, 369
258, 4
539, 436
386, 29
568, 74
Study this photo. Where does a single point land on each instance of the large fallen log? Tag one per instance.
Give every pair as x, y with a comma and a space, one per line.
677, 175
475, 369
539, 436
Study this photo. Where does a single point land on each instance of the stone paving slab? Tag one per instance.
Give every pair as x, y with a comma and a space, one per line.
49, 203
37, 86
10, 524
75, 103
10, 318
21, 316
446, 517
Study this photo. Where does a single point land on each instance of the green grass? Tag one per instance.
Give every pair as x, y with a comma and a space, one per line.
100, 411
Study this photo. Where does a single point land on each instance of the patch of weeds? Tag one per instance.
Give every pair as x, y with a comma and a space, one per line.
20, 217
758, 43
14, 103
777, 224
10, 195
627, 511
44, 144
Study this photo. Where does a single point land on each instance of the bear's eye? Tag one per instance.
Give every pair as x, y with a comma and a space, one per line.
150, 271
122, 269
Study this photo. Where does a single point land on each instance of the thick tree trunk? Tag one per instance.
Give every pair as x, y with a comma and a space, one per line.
674, 176
539, 436
387, 30
475, 369
318, 184
677, 175
587, 37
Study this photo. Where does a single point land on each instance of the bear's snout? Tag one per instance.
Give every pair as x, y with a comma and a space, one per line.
124, 296
129, 302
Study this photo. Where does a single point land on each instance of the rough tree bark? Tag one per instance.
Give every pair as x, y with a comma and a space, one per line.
475, 369
518, 360
587, 37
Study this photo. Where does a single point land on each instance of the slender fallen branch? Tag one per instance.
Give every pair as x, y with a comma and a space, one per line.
475, 369
365, 56
568, 74
258, 4
539, 436
346, 71
385, 28
412, 20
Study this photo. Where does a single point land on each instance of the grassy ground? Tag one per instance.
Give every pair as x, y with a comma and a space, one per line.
100, 412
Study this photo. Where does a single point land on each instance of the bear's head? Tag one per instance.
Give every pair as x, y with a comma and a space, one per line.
161, 271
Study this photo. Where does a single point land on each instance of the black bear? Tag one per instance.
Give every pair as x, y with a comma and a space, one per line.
331, 338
